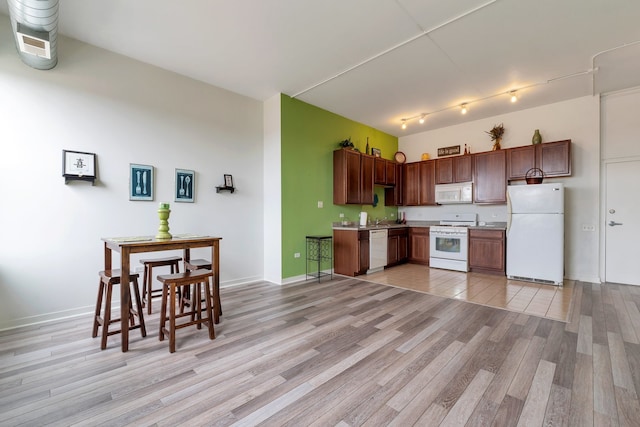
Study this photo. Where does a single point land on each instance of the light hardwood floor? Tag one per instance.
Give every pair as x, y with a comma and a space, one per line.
344, 352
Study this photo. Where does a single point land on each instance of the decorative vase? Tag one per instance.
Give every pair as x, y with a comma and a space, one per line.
537, 138
163, 215
496, 144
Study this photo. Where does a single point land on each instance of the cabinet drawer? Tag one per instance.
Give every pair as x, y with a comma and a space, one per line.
486, 234
398, 232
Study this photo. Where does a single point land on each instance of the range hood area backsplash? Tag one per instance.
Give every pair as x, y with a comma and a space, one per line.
488, 214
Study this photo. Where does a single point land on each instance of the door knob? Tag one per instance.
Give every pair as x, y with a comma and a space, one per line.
613, 223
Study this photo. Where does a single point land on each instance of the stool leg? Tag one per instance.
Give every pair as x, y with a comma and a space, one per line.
217, 307
207, 289
144, 286
106, 321
139, 311
149, 284
172, 320
163, 313
96, 318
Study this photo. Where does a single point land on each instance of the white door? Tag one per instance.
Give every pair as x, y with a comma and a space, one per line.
622, 227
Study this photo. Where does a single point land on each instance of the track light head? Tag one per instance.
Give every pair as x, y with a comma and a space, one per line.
464, 108
514, 96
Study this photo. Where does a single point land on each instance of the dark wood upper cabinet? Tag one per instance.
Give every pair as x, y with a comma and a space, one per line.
411, 184
454, 169
394, 196
366, 179
380, 171
490, 177
353, 175
346, 177
391, 172
427, 195
553, 158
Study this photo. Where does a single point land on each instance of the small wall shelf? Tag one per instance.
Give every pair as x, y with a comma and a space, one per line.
225, 188
91, 179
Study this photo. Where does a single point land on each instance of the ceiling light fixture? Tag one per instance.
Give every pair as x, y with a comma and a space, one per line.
513, 94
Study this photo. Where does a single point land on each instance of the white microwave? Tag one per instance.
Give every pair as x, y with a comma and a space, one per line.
454, 193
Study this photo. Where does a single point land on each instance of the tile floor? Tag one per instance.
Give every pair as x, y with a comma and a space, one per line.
495, 291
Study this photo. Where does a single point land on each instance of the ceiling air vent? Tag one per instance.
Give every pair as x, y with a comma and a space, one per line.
33, 42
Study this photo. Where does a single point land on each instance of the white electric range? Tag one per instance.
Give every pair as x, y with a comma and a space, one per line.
449, 242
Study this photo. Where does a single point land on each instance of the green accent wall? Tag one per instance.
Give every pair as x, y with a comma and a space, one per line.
309, 137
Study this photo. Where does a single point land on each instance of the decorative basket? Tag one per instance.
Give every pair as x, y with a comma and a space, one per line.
534, 176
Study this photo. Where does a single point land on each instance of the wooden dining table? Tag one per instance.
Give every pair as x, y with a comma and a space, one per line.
140, 244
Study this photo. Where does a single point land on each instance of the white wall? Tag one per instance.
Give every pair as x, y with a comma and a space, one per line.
125, 112
272, 190
577, 120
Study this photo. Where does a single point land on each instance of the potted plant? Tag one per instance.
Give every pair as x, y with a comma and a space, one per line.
347, 144
496, 135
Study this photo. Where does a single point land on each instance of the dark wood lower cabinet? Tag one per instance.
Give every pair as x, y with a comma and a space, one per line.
397, 246
350, 252
419, 245
487, 251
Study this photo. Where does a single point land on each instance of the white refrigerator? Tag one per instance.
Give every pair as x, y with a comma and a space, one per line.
535, 233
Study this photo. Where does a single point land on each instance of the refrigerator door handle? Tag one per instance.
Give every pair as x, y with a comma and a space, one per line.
508, 213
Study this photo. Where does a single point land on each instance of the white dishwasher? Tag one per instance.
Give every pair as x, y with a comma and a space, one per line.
377, 250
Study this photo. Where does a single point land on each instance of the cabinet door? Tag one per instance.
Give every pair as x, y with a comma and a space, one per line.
363, 245
419, 245
393, 196
346, 252
487, 251
462, 169
554, 158
427, 195
403, 247
346, 177
366, 179
444, 171
519, 161
391, 172
411, 184
380, 174
490, 177
392, 250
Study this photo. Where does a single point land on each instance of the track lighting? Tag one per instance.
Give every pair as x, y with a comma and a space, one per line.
404, 123
422, 118
514, 97
463, 108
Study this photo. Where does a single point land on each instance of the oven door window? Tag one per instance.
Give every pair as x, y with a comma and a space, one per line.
448, 245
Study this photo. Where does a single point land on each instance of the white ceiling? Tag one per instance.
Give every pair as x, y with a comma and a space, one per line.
377, 61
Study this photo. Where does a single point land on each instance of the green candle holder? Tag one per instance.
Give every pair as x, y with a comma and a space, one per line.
163, 230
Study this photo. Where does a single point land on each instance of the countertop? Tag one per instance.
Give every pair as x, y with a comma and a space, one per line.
355, 226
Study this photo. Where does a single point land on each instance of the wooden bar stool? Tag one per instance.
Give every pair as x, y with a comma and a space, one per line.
148, 293
199, 264
172, 283
109, 278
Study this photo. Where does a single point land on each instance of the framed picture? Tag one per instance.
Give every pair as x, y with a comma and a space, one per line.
185, 185
375, 152
77, 164
228, 181
140, 182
